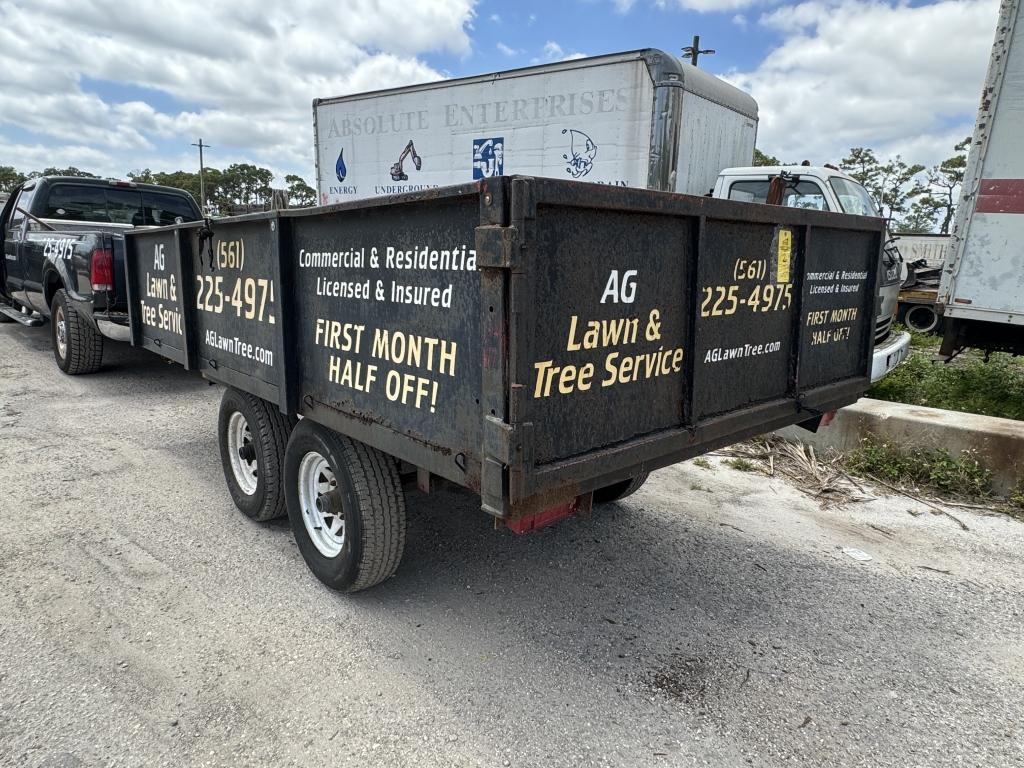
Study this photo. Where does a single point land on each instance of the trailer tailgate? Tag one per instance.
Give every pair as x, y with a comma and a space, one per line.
645, 327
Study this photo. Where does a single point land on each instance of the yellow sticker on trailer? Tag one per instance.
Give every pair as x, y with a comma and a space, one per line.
785, 255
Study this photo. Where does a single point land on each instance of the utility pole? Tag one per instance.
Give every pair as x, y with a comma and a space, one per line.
202, 181
693, 51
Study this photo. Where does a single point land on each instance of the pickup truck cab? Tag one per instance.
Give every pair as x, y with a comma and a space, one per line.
63, 243
822, 188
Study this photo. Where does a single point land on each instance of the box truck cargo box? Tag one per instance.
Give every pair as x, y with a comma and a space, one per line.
637, 119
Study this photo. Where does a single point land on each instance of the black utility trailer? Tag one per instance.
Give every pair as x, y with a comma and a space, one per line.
543, 343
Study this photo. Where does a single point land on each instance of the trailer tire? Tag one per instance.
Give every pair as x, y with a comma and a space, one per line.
77, 345
620, 490
252, 434
346, 508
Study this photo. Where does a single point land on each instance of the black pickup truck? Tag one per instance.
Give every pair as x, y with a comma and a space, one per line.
63, 241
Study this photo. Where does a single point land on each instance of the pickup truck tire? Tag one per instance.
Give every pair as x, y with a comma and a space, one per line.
620, 490
77, 346
253, 434
346, 508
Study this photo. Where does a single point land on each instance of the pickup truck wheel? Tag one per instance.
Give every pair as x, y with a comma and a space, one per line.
253, 434
620, 490
77, 346
346, 508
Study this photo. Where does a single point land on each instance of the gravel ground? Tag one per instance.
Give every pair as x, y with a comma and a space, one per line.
712, 619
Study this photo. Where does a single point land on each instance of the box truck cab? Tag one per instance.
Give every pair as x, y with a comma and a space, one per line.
822, 188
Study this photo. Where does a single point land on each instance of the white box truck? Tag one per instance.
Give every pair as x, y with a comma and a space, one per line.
981, 293
636, 119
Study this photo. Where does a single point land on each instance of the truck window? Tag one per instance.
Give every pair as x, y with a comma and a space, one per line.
804, 194
124, 206
853, 197
24, 202
164, 209
117, 205
77, 203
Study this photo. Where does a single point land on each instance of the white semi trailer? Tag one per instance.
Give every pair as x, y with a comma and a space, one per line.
636, 119
981, 294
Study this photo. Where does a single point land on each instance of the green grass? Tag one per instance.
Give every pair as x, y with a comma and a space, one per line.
1016, 500
935, 469
967, 383
743, 465
701, 462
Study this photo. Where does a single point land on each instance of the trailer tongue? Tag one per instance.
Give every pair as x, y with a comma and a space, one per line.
542, 343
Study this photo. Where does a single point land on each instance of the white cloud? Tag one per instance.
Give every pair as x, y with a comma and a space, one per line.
900, 79
552, 51
507, 50
494, 17
248, 70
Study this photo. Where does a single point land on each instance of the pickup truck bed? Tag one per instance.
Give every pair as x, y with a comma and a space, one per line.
536, 341
63, 241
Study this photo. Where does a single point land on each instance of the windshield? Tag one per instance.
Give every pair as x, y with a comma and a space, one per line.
802, 194
853, 197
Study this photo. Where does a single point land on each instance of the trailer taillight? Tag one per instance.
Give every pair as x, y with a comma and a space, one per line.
101, 270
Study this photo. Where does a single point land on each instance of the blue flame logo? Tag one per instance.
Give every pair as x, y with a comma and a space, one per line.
339, 167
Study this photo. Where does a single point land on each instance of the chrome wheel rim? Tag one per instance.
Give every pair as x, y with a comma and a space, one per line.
61, 332
242, 452
318, 499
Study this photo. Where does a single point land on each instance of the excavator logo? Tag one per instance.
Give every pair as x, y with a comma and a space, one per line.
397, 172
488, 157
582, 151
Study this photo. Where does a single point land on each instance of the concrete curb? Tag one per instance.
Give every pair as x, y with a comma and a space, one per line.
998, 443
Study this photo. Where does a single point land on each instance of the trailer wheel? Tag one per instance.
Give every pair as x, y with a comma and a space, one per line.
620, 490
77, 345
253, 434
346, 508
921, 318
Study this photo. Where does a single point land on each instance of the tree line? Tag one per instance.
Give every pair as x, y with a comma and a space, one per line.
916, 199
239, 186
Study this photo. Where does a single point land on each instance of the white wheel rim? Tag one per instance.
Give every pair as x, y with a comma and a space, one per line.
242, 452
325, 522
61, 327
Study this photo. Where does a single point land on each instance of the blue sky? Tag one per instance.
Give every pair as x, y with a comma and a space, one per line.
112, 90
597, 27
